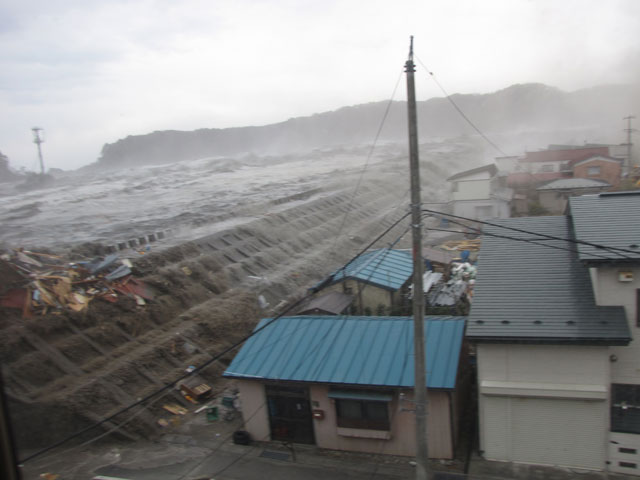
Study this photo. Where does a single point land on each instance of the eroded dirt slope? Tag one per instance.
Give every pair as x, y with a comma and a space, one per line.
68, 370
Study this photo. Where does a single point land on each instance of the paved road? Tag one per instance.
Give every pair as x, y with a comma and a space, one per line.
234, 462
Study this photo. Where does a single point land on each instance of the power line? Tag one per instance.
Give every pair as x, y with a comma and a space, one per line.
525, 240
462, 114
615, 250
329, 279
369, 155
201, 367
166, 387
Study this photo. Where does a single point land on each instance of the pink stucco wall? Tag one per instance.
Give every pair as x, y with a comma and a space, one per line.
399, 441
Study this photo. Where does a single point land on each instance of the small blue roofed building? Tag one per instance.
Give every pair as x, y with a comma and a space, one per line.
379, 280
346, 383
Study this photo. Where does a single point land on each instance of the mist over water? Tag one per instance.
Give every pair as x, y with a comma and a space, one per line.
191, 198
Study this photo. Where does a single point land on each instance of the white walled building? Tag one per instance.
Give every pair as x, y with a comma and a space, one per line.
558, 367
480, 193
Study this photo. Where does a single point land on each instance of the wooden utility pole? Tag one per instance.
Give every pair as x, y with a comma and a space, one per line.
37, 140
629, 130
420, 389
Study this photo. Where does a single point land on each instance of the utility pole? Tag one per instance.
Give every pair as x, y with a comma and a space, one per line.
420, 388
37, 140
629, 130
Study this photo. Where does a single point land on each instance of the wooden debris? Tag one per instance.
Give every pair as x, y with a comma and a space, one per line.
459, 245
36, 287
175, 409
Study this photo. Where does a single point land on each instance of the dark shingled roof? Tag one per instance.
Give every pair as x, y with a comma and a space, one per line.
536, 294
333, 303
611, 219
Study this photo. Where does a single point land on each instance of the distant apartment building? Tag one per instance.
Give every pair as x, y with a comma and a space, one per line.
565, 161
528, 174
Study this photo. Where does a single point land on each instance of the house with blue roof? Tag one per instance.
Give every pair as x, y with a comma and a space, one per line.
346, 383
379, 280
556, 321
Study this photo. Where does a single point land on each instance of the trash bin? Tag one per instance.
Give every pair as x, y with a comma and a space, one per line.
241, 437
212, 414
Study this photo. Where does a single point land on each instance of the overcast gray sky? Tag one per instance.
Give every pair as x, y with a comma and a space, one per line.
93, 71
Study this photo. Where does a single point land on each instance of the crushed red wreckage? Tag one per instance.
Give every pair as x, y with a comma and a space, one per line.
40, 283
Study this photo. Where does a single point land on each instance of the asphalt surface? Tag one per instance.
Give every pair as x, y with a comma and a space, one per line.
199, 450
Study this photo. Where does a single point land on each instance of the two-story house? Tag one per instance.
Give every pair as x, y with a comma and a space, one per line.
554, 316
480, 193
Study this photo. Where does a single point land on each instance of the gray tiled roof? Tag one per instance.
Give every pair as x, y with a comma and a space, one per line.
536, 294
491, 168
573, 183
331, 302
609, 219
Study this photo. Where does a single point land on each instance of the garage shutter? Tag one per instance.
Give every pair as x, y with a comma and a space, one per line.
548, 431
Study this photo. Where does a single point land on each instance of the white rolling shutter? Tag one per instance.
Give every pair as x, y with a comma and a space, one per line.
564, 432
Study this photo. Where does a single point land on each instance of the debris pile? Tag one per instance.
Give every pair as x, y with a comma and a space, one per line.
459, 245
464, 271
41, 283
458, 288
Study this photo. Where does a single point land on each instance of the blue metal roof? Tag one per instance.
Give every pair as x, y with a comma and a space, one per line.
385, 268
376, 351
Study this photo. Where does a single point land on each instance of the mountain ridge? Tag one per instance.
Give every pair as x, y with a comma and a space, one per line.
516, 108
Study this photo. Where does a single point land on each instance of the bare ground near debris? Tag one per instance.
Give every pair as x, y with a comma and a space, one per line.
74, 369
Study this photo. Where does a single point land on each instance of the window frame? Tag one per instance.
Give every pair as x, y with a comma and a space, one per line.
625, 408
366, 419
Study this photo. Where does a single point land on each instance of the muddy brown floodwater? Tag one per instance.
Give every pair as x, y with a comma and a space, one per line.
267, 228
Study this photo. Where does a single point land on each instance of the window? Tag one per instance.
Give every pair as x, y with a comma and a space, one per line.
364, 409
638, 308
483, 212
593, 171
625, 408
546, 168
366, 414
455, 187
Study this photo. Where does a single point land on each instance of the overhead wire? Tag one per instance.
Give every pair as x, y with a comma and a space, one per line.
223, 441
526, 240
165, 387
459, 110
308, 352
369, 155
344, 317
615, 250
117, 427
197, 369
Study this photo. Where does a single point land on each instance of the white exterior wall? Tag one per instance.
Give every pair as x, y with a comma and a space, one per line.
544, 404
609, 291
469, 208
624, 448
472, 190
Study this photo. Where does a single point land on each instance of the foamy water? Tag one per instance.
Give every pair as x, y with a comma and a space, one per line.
115, 206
